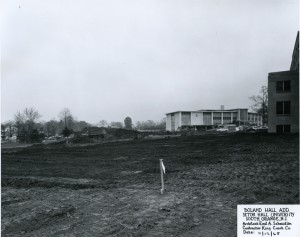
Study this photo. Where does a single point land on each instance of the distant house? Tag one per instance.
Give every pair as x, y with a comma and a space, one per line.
283, 96
94, 132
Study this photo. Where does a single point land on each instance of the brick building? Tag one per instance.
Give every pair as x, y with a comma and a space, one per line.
283, 96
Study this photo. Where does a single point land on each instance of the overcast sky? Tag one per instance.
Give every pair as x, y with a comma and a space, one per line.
108, 59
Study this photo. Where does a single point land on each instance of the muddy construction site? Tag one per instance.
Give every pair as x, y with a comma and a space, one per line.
113, 189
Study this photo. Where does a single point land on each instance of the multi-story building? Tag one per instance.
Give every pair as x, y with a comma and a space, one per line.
204, 119
283, 96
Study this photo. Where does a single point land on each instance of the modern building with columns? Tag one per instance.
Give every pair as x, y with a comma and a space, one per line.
205, 119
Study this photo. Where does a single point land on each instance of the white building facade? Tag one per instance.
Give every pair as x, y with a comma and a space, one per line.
205, 119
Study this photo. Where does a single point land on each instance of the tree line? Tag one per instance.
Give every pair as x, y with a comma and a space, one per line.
27, 126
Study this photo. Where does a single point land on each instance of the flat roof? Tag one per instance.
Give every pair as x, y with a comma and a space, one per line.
209, 110
274, 74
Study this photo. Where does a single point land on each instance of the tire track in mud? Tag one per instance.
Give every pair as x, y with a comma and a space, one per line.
136, 211
37, 222
51, 182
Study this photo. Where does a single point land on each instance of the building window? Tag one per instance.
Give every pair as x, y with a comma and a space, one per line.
226, 117
207, 118
185, 118
243, 114
283, 107
234, 117
283, 128
217, 118
283, 86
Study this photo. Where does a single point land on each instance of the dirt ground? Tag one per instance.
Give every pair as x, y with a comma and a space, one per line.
113, 189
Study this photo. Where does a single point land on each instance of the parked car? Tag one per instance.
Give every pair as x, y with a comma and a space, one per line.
222, 130
263, 129
54, 139
251, 129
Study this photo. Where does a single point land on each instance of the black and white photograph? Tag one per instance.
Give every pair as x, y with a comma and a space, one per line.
150, 118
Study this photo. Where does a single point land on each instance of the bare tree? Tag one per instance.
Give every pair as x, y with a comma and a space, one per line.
103, 123
161, 124
66, 116
260, 105
19, 121
151, 125
116, 125
80, 125
138, 125
25, 121
51, 127
30, 116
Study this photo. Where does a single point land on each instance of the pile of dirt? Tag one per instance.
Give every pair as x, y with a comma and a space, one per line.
83, 140
122, 133
112, 134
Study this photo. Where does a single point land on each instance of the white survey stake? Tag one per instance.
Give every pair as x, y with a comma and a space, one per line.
162, 172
